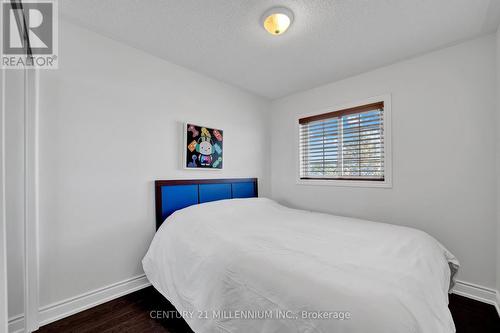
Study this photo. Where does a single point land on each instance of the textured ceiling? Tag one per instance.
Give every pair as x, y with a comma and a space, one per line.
328, 41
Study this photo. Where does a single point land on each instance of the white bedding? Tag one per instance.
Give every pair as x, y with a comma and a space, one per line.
256, 258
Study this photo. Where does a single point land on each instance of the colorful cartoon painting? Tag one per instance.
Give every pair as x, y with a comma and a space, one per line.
203, 147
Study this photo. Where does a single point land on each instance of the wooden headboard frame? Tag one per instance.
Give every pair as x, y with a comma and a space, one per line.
187, 192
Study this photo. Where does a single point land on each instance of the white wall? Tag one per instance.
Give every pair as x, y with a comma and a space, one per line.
3, 228
110, 124
498, 160
443, 121
14, 187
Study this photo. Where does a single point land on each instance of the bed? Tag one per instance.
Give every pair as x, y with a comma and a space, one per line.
232, 262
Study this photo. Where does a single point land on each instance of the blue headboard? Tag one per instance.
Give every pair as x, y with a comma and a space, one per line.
172, 195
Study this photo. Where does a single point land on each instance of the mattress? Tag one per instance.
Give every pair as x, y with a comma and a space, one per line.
253, 265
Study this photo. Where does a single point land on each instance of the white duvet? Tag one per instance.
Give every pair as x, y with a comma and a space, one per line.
225, 264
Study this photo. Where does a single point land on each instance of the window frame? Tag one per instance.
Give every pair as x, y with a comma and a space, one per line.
387, 182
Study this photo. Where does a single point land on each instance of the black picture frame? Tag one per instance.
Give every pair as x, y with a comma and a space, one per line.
203, 147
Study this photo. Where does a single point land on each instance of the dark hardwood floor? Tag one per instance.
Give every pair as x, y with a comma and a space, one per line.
132, 313
472, 316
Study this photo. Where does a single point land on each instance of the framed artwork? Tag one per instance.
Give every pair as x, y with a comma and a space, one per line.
203, 147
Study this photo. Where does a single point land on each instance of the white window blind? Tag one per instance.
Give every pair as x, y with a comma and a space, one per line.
346, 144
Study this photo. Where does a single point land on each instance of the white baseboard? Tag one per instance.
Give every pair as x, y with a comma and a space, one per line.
16, 324
52, 312
498, 303
478, 293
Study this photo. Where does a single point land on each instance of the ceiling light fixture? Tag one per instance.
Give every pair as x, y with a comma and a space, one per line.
277, 20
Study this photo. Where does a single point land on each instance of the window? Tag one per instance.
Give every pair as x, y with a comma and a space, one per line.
346, 145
